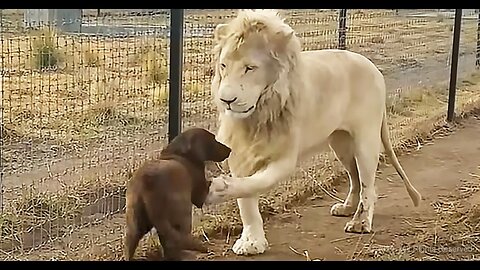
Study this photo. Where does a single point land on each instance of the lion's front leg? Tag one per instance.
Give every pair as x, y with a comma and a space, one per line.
247, 190
253, 240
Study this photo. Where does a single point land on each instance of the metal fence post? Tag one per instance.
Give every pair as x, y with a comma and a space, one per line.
454, 65
1, 113
342, 29
477, 62
176, 67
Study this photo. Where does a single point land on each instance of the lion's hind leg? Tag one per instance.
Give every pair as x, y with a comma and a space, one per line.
367, 145
341, 142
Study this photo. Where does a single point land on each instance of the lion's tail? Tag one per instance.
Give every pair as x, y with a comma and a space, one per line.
414, 194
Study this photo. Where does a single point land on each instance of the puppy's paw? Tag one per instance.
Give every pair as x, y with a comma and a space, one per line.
198, 245
203, 248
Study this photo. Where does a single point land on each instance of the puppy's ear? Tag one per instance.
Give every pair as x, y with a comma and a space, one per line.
198, 150
219, 152
179, 146
204, 147
199, 193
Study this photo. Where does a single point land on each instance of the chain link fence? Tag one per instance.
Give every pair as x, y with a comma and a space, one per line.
85, 100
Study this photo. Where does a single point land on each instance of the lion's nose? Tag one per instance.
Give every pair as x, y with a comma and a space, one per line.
228, 102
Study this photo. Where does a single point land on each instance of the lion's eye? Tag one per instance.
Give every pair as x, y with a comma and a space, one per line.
249, 68
223, 66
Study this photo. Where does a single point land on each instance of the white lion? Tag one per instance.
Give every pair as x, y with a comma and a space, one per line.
279, 105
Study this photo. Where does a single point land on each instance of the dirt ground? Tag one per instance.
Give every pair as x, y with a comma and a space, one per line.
439, 170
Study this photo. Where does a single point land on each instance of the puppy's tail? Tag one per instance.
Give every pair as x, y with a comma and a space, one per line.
133, 229
137, 221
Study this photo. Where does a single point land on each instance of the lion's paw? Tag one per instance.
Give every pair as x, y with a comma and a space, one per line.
356, 226
250, 246
220, 190
342, 210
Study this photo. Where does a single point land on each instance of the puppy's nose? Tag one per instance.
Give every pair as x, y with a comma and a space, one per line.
228, 102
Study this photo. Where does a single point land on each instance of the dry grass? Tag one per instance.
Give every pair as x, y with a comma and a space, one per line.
91, 74
155, 66
27, 222
406, 101
456, 233
453, 234
46, 54
92, 58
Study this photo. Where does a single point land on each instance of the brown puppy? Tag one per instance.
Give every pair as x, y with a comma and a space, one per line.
162, 191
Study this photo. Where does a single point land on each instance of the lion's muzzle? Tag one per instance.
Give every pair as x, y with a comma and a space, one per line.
228, 102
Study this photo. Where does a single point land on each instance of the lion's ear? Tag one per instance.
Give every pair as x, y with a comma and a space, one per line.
258, 26
220, 32
281, 39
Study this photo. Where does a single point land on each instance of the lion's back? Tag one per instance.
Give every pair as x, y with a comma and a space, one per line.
338, 60
341, 71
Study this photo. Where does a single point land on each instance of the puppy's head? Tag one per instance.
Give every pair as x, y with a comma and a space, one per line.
199, 145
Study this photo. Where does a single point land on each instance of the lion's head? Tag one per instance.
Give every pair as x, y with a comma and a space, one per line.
252, 53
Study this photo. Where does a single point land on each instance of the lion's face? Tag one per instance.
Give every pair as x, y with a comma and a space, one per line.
244, 75
251, 53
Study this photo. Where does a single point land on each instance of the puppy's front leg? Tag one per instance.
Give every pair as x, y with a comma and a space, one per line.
176, 240
195, 244
185, 229
174, 245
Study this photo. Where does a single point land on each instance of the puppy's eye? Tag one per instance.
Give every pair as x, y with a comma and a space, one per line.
249, 68
223, 66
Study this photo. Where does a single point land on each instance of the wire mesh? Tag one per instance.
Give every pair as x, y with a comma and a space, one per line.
477, 61
84, 102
